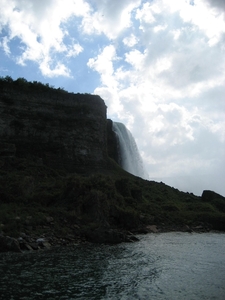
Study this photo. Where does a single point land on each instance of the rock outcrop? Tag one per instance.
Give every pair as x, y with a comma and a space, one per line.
9, 244
56, 128
210, 196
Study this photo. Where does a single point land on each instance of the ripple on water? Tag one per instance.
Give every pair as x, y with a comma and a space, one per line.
160, 266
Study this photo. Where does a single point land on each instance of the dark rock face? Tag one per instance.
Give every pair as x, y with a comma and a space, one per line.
7, 150
112, 143
109, 236
209, 196
9, 244
61, 130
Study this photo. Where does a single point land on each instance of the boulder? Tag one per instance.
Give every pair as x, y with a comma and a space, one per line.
152, 228
46, 245
27, 247
34, 246
43, 243
131, 238
40, 240
9, 244
49, 219
105, 236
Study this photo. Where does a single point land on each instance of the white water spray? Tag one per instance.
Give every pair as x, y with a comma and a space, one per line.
129, 156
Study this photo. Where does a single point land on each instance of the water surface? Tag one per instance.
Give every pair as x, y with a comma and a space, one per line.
159, 266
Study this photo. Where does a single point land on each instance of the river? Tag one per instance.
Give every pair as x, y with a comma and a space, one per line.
160, 266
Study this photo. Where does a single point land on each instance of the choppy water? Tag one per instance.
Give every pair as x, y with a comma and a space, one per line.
160, 266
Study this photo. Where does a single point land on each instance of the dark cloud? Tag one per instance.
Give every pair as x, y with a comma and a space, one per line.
220, 4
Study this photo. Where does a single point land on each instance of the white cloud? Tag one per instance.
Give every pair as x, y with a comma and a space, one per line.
159, 28
5, 46
136, 59
38, 25
103, 64
52, 69
205, 18
74, 50
130, 41
145, 13
111, 18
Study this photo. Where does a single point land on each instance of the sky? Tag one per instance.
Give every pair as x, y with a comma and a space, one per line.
159, 65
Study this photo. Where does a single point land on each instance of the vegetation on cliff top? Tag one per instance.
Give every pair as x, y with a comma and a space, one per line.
23, 84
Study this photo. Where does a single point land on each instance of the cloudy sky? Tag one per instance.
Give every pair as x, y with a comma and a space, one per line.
158, 64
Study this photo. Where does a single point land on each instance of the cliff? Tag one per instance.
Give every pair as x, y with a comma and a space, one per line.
112, 143
59, 180
56, 128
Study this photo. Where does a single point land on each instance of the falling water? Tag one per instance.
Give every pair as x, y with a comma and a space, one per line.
129, 156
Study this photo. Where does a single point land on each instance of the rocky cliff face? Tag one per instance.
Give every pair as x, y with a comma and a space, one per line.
112, 142
59, 129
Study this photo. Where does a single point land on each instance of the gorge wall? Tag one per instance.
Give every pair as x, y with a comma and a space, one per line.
59, 129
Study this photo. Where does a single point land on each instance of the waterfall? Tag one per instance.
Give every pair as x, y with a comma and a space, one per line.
129, 156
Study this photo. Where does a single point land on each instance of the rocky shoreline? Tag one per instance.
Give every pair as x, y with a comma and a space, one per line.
32, 242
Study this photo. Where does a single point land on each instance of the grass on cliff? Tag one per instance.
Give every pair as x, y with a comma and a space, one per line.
35, 198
